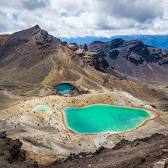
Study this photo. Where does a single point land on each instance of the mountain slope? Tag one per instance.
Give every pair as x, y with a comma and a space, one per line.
30, 55
32, 59
133, 58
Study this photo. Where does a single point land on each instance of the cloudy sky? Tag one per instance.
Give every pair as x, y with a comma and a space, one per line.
71, 18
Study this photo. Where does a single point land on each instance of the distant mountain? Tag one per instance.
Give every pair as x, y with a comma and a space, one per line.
83, 40
132, 58
160, 41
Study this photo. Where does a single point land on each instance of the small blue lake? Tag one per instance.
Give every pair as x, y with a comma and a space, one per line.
101, 118
64, 88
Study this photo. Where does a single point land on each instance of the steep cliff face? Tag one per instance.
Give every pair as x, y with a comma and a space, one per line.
131, 58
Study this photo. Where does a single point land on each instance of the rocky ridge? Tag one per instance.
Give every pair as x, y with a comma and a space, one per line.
132, 59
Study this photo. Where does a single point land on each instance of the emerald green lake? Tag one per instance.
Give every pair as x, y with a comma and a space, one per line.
101, 118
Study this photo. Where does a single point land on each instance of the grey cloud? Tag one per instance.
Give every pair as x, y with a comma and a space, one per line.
139, 10
24, 4
3, 19
2, 27
35, 4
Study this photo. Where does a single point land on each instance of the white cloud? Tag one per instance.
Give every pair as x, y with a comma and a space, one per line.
86, 17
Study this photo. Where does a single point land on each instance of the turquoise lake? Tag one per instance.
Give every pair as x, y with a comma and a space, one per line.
100, 118
64, 88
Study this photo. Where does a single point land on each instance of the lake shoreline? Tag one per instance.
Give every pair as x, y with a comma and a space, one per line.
151, 117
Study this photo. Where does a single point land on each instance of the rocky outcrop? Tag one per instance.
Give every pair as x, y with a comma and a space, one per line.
11, 154
161, 164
